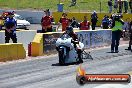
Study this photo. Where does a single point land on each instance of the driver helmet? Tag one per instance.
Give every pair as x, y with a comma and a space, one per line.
69, 29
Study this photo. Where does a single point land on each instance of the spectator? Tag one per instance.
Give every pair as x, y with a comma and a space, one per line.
116, 32
115, 5
120, 3
73, 3
64, 21
110, 6
110, 21
126, 6
94, 19
5, 15
1, 22
10, 31
46, 22
85, 24
105, 22
130, 5
126, 24
13, 12
74, 23
125, 29
130, 31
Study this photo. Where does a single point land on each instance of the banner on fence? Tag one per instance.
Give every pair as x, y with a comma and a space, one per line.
90, 39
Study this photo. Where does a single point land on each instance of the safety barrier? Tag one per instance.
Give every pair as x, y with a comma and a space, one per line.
44, 43
12, 51
95, 38
80, 16
37, 45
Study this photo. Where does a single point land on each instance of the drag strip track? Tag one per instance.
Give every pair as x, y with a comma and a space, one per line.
46, 73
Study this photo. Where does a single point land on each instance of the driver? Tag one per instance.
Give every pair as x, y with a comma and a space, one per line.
69, 31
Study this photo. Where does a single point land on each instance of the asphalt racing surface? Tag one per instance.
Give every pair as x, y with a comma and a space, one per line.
44, 71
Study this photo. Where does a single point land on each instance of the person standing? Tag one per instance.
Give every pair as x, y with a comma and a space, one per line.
125, 29
110, 5
105, 22
126, 25
126, 6
94, 19
120, 3
1, 22
115, 5
10, 29
64, 21
116, 33
73, 3
74, 23
130, 32
130, 5
85, 24
46, 22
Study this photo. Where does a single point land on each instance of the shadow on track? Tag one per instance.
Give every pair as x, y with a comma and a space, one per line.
57, 64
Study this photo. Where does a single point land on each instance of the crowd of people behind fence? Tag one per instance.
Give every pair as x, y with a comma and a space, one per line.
47, 22
119, 5
114, 22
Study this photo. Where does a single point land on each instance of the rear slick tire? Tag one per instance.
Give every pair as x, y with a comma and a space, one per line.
61, 57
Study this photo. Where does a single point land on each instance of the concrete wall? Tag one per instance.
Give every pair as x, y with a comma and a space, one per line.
90, 39
12, 51
37, 45
23, 36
